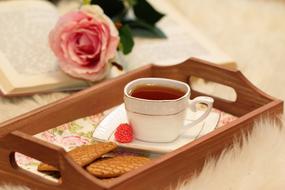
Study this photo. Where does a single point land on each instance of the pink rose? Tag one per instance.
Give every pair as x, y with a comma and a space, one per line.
85, 43
73, 141
48, 136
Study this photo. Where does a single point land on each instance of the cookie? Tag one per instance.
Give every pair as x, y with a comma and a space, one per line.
108, 180
84, 155
46, 168
116, 166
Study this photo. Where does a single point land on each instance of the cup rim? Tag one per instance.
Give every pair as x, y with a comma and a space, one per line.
126, 94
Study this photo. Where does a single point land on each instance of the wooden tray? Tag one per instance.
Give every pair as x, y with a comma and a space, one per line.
16, 135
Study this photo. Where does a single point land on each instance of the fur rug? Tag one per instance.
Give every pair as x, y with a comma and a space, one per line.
11, 187
259, 164
252, 32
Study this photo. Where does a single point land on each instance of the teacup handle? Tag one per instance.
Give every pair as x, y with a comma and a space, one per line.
200, 99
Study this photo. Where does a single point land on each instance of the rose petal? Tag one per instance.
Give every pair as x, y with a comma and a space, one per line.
85, 42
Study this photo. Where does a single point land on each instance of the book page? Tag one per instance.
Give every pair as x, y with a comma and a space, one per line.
183, 41
24, 36
27, 63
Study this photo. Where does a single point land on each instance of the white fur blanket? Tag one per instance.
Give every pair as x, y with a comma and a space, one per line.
259, 164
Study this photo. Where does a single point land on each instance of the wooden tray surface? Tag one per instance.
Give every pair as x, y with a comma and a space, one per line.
16, 135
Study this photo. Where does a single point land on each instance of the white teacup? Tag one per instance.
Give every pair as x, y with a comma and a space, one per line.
161, 120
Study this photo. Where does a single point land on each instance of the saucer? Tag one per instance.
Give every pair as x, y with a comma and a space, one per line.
106, 128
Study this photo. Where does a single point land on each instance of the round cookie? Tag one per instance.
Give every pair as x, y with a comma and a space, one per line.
83, 155
116, 166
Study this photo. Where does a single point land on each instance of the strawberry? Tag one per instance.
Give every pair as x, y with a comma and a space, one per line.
124, 133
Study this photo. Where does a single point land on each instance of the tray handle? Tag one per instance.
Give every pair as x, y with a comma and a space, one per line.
247, 94
48, 153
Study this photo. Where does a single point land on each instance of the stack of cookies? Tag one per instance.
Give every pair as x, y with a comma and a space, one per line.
90, 157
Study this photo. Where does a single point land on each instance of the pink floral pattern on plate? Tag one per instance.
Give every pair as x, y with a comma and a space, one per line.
77, 133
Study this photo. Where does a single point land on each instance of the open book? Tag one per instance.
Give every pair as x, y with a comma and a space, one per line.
27, 64
183, 41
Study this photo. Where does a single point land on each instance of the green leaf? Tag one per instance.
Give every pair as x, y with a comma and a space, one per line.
142, 28
111, 8
86, 2
144, 11
130, 2
126, 39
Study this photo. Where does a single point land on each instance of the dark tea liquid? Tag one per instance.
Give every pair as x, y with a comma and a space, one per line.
155, 92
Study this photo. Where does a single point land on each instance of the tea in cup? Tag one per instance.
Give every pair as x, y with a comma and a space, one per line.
156, 108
